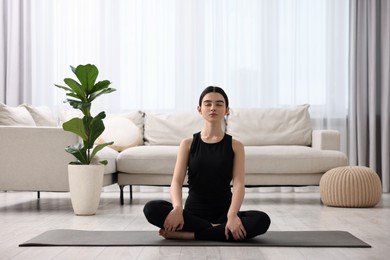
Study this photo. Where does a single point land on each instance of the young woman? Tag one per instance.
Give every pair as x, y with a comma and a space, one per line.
213, 160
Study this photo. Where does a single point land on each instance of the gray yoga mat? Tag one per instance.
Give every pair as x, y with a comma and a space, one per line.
66, 237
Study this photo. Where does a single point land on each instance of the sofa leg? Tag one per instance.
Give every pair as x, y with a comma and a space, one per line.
38, 194
121, 187
121, 194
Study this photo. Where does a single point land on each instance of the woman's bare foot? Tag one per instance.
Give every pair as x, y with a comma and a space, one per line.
177, 235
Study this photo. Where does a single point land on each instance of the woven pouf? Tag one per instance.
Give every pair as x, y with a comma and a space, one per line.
351, 186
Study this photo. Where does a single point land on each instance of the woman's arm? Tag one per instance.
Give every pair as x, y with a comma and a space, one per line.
174, 220
234, 223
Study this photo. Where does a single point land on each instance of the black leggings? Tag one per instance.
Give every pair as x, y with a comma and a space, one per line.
255, 222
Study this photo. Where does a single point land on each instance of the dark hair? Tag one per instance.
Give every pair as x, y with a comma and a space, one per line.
213, 89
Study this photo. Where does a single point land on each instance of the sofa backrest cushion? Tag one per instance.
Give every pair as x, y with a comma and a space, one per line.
15, 116
42, 115
68, 114
170, 128
122, 131
137, 117
271, 126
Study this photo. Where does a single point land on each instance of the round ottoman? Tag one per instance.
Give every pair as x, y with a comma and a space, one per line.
350, 186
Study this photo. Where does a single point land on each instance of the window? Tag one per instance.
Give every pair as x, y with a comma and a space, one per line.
161, 54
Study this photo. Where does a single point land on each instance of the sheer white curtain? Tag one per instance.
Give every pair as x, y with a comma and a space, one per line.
161, 54
15, 52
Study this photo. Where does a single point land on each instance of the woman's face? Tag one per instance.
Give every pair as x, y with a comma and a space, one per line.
213, 107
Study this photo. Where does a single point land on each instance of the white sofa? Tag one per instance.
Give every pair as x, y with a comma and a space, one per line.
281, 149
32, 151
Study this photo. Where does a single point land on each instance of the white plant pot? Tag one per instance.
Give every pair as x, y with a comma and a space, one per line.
85, 185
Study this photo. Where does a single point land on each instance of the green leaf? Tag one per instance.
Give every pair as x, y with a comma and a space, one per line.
78, 151
76, 89
104, 91
72, 95
96, 128
100, 116
104, 162
98, 147
85, 107
74, 103
101, 85
76, 126
63, 87
87, 74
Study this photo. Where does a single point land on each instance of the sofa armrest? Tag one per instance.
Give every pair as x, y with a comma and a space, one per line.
326, 140
34, 158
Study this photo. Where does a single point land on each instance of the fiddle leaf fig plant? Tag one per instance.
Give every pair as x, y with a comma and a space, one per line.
80, 95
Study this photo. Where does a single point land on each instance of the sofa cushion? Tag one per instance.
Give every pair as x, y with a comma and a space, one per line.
171, 128
15, 116
42, 115
148, 159
291, 159
122, 131
278, 159
110, 155
271, 126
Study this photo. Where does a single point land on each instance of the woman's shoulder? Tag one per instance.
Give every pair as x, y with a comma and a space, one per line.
186, 142
237, 144
234, 141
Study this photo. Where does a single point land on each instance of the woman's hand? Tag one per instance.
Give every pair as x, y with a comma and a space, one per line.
234, 225
174, 221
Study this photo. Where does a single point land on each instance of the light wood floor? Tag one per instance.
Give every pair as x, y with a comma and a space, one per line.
22, 217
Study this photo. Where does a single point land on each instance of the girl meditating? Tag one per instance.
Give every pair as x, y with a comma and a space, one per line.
213, 161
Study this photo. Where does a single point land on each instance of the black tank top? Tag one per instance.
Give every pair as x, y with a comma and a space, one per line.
210, 170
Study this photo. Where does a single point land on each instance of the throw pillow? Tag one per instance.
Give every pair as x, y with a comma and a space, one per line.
15, 116
68, 114
42, 115
271, 126
122, 131
171, 128
137, 117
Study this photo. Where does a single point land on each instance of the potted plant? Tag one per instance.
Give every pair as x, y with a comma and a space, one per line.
86, 173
